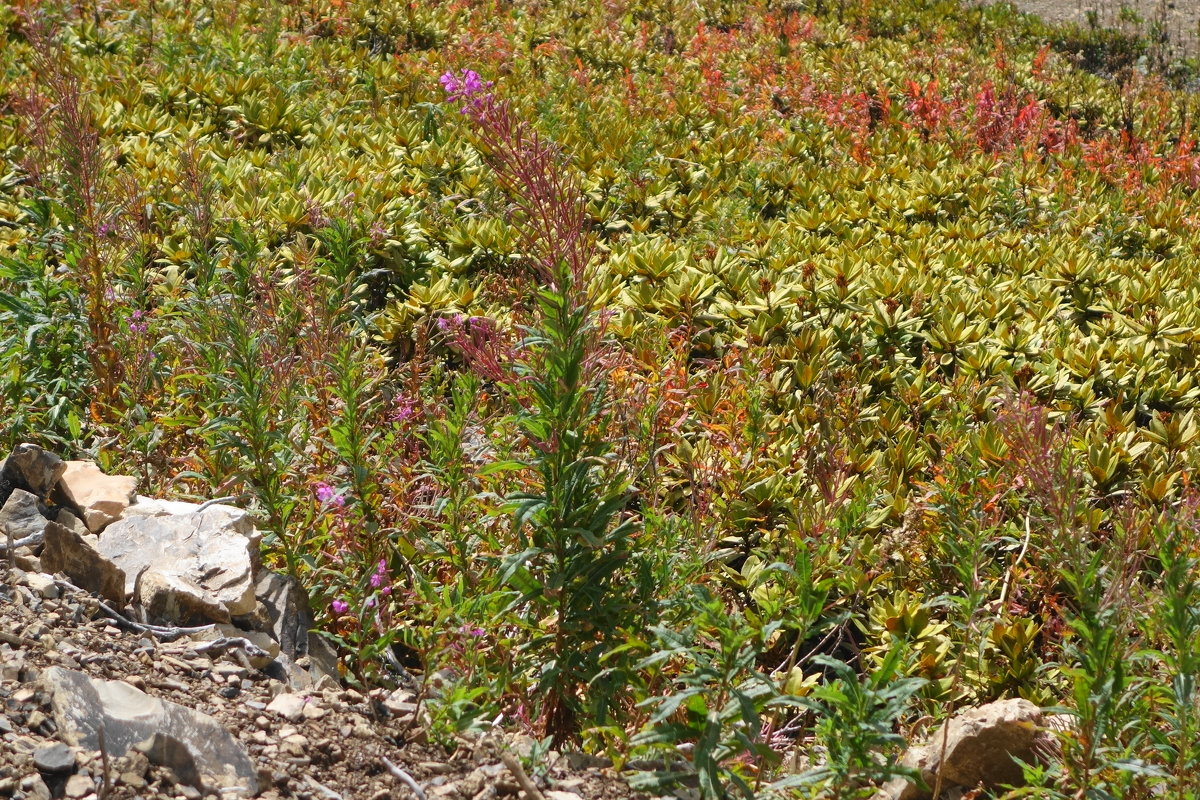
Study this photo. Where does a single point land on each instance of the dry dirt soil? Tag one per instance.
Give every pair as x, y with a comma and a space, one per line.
1180, 18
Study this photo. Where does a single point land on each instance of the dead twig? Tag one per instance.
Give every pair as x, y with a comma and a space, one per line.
215, 501
32, 540
105, 785
324, 790
518, 772
405, 778
1009, 572
16, 641
164, 632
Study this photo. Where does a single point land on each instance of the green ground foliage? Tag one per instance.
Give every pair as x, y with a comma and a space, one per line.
739, 386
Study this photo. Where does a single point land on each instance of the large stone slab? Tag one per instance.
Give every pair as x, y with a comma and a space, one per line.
194, 565
98, 498
33, 469
75, 555
81, 706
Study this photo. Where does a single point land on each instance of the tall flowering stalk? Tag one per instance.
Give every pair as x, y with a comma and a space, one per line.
573, 533
529, 168
69, 160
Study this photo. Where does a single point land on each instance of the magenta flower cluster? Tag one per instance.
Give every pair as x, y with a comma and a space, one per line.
328, 496
380, 574
404, 408
467, 86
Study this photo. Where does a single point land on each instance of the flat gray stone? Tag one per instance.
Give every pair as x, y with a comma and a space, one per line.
172, 596
21, 516
54, 758
283, 612
130, 717
75, 555
165, 750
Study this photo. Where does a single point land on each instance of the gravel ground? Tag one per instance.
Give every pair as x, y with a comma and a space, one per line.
341, 748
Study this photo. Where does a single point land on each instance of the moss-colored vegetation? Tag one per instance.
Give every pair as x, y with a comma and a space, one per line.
877, 397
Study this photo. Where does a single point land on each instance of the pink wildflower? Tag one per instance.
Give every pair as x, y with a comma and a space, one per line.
326, 494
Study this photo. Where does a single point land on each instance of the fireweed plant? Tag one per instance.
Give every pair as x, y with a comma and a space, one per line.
576, 539
833, 370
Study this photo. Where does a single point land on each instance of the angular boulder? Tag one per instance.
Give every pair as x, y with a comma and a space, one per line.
69, 520
131, 718
75, 555
172, 596
98, 498
32, 469
198, 565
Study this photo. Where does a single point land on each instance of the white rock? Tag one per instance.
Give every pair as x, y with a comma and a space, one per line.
79, 786
43, 584
289, 706
196, 562
154, 507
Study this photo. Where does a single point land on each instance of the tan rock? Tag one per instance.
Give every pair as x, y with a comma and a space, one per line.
288, 706
99, 498
79, 786
42, 583
978, 745
982, 743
